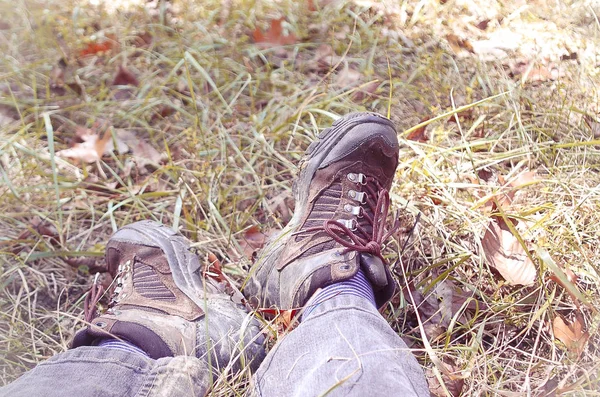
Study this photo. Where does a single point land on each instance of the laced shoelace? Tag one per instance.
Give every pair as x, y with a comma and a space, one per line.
371, 243
91, 300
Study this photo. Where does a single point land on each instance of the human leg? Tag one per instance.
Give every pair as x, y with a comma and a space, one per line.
163, 303
344, 348
343, 345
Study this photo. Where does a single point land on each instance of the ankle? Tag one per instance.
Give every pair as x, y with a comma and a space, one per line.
358, 286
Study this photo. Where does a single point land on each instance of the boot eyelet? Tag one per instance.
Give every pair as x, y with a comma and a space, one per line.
349, 223
358, 196
345, 267
357, 211
362, 179
100, 324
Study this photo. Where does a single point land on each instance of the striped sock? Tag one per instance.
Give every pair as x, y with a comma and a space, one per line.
357, 286
121, 345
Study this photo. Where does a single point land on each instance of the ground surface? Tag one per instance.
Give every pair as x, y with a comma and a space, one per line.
211, 107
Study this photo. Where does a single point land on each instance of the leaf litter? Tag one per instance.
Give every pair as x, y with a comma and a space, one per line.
571, 334
502, 246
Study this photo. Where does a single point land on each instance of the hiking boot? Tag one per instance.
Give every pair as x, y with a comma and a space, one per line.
338, 224
164, 302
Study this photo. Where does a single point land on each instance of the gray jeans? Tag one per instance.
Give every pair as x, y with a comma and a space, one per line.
343, 348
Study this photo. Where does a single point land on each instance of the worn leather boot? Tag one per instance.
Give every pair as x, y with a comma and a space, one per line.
164, 302
339, 221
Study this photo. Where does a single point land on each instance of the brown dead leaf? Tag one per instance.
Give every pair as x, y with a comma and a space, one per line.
523, 178
253, 240
571, 334
144, 153
532, 73
57, 76
419, 134
213, 268
505, 253
86, 263
458, 45
483, 25
453, 380
465, 115
507, 195
124, 77
91, 149
284, 320
39, 228
274, 35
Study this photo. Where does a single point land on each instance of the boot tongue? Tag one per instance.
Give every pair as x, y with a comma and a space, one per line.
374, 269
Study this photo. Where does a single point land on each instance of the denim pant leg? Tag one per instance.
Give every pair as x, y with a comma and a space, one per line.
344, 348
105, 372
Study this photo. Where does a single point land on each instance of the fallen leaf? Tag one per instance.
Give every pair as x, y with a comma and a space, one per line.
459, 45
86, 263
274, 35
57, 77
531, 73
523, 178
39, 228
453, 380
507, 195
419, 135
505, 253
91, 149
144, 153
465, 115
483, 25
253, 240
4, 25
571, 334
284, 320
99, 47
213, 268
124, 77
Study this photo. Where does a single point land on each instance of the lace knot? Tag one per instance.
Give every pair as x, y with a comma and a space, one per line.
371, 244
373, 247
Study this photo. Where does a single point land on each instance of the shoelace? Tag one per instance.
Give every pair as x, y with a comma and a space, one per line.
366, 243
91, 300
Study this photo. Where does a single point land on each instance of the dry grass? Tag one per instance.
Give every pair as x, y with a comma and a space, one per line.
240, 118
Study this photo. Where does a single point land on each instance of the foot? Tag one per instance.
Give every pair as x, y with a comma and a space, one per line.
338, 224
163, 302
